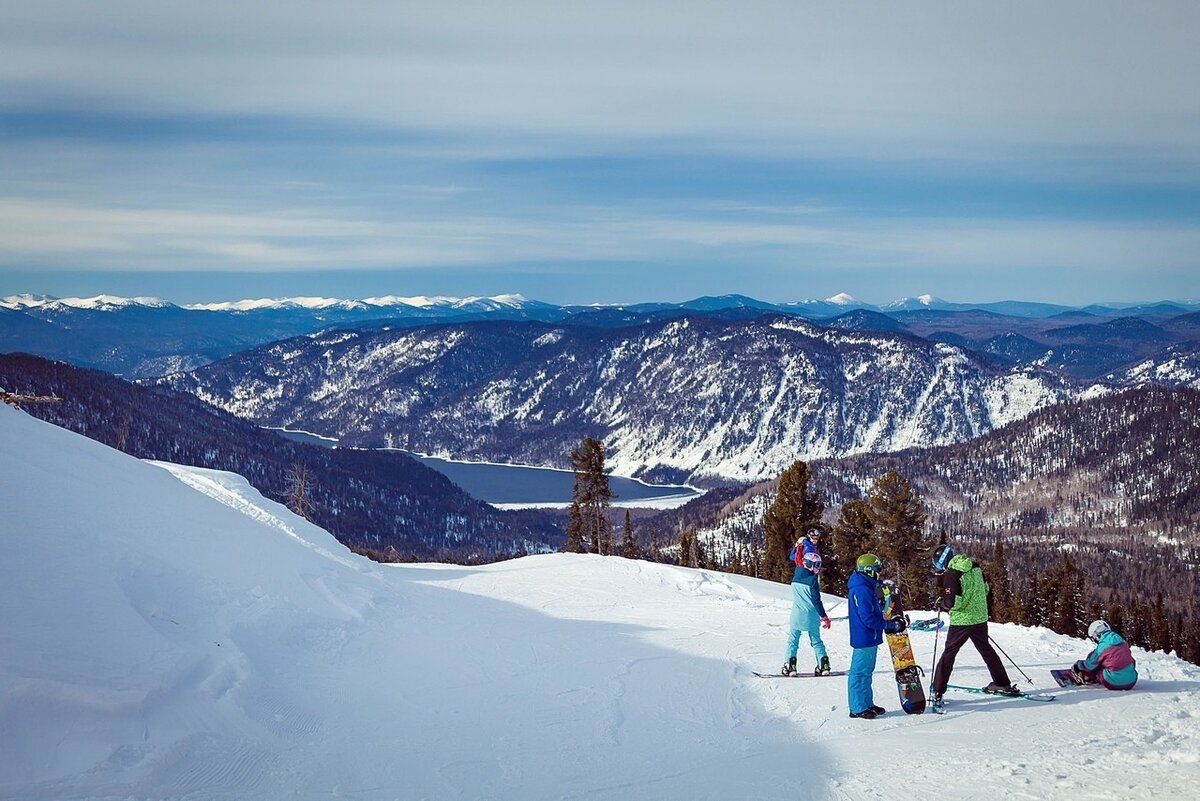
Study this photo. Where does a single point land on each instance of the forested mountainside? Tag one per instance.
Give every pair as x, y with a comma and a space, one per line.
379, 501
698, 399
1110, 481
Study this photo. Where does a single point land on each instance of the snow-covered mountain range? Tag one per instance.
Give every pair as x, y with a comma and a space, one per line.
146, 337
166, 632
693, 398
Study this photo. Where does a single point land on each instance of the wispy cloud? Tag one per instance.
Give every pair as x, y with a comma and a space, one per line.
704, 142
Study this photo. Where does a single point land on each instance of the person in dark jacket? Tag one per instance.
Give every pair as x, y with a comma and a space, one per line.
1111, 663
808, 613
867, 626
963, 591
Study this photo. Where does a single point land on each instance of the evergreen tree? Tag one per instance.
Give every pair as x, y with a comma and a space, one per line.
1159, 635
590, 498
574, 542
795, 511
629, 548
688, 550
898, 517
1000, 595
1115, 617
853, 535
1136, 623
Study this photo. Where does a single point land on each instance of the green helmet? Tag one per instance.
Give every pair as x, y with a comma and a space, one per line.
868, 563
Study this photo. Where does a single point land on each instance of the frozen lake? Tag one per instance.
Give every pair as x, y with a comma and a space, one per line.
516, 486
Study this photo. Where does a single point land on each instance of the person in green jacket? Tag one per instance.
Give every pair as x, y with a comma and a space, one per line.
962, 590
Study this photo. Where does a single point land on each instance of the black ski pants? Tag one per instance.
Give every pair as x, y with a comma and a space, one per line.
955, 640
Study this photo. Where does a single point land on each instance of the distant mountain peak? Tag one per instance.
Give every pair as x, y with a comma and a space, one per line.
102, 302
842, 299
926, 301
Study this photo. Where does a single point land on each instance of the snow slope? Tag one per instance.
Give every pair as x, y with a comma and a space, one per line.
169, 633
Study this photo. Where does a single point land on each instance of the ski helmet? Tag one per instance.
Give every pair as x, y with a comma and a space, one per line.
942, 557
812, 561
1097, 630
868, 563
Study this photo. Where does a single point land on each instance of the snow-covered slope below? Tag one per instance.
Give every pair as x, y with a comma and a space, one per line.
172, 634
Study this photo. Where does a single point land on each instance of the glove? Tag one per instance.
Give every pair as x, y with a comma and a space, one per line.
899, 624
824, 622
1079, 667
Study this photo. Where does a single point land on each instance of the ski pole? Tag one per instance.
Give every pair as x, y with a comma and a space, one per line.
937, 631
1009, 658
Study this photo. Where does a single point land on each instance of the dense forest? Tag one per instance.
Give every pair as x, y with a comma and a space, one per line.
384, 504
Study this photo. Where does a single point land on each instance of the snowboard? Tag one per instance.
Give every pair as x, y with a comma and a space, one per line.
908, 672
799, 675
1066, 678
1042, 697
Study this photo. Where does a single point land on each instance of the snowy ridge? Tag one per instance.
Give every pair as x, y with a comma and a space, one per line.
682, 400
97, 303
161, 642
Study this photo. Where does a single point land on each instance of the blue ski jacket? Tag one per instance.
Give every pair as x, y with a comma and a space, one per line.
808, 579
867, 624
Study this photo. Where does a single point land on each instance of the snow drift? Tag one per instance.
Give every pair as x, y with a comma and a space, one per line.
169, 633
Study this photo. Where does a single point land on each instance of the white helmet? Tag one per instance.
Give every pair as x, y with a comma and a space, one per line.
1097, 630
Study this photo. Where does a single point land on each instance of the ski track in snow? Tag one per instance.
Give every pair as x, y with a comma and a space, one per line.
164, 638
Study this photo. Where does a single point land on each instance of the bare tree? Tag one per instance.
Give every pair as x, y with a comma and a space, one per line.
297, 495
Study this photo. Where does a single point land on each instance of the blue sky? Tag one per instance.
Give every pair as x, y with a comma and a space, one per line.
624, 152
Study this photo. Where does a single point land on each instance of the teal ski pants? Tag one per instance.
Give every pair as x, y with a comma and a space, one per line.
804, 618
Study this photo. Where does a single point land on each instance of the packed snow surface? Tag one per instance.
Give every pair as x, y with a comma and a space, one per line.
170, 633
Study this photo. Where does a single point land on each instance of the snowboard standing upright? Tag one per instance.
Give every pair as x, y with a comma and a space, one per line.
908, 672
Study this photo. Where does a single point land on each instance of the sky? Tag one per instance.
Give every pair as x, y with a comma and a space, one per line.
614, 152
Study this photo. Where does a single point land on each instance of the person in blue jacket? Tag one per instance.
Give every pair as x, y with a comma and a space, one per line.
808, 613
867, 626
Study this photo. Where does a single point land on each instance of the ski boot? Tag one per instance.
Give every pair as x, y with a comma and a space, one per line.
789, 667
1001, 689
938, 705
867, 714
822, 668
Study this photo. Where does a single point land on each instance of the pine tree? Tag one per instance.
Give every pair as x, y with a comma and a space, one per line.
590, 498
574, 542
1000, 595
629, 548
1115, 617
1159, 634
898, 517
687, 548
853, 535
795, 511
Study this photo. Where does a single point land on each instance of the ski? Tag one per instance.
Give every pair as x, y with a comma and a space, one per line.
799, 675
1043, 697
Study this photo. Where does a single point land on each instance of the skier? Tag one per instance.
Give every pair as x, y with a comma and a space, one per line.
963, 591
1111, 663
867, 626
809, 542
807, 611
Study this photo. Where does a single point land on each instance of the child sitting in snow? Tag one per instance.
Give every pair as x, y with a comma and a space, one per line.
1110, 664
